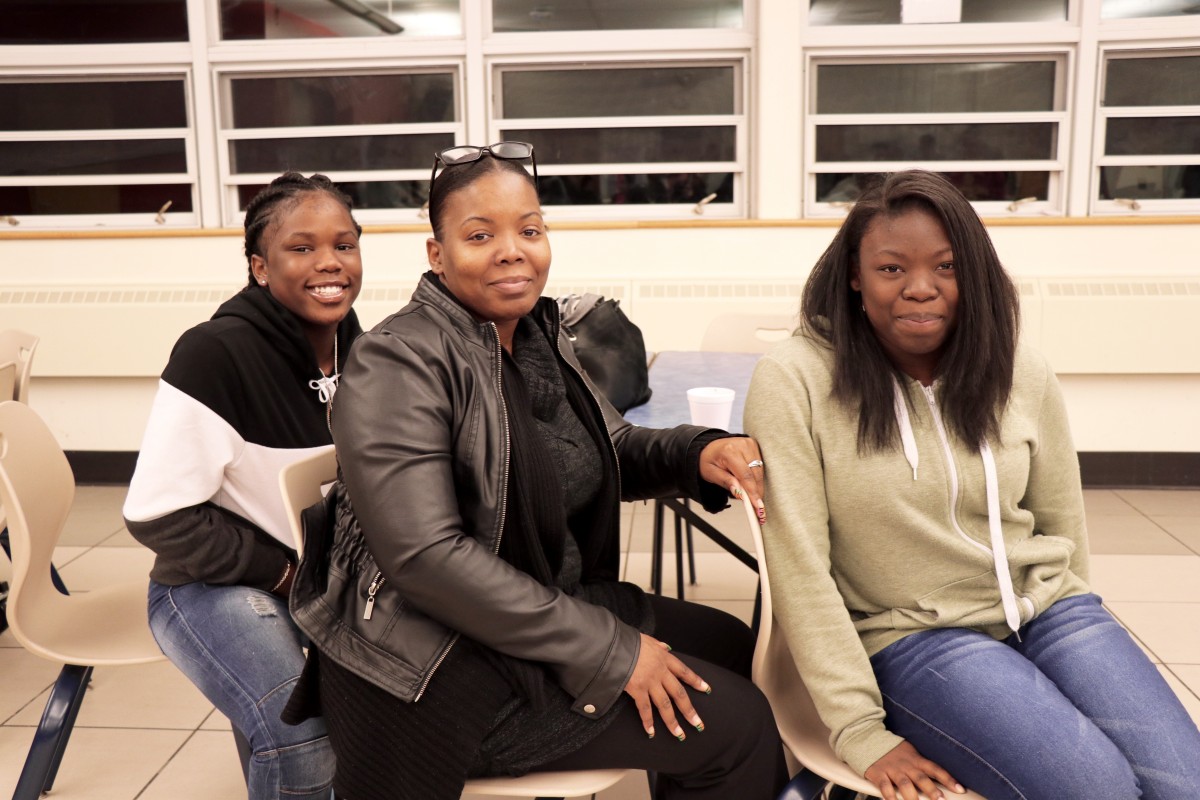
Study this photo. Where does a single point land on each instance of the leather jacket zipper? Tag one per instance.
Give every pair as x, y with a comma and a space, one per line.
376, 583
503, 496
599, 408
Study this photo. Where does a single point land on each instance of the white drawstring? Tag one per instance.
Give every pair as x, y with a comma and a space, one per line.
325, 386
1008, 596
906, 432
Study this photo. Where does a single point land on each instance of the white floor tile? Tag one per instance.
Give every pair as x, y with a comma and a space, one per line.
26, 677
1170, 630
1162, 502
1186, 696
1185, 529
1189, 675
1173, 579
205, 767
1106, 501
1127, 535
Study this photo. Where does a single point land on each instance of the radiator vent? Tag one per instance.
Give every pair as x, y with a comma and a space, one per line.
1082, 288
713, 290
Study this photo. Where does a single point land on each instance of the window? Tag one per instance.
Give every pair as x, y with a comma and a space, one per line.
993, 125
662, 135
891, 12
1126, 9
537, 15
322, 19
57, 22
1149, 132
374, 132
116, 150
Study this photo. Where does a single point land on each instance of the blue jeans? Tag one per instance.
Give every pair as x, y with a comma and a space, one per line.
242, 650
1071, 710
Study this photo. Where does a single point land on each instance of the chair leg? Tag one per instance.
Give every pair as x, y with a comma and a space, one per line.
54, 577
245, 752
804, 786
656, 550
679, 556
50, 740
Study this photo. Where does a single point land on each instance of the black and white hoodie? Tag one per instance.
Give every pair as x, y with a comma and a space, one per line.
235, 404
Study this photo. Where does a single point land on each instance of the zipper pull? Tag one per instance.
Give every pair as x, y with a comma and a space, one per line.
376, 582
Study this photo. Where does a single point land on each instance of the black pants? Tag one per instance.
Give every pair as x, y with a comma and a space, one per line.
738, 755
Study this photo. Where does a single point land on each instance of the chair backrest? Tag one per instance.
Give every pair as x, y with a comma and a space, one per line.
36, 489
16, 348
746, 333
774, 672
301, 482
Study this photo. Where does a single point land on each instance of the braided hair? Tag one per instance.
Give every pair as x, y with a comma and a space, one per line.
284, 192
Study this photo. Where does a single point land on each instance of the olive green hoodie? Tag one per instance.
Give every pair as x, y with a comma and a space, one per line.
864, 549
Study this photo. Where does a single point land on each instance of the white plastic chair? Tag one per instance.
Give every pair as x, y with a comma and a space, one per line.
103, 627
301, 483
746, 333
16, 358
774, 671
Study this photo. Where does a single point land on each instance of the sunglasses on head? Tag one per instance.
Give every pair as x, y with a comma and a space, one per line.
466, 153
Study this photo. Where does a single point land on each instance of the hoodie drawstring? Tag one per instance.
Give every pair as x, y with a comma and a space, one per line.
1008, 598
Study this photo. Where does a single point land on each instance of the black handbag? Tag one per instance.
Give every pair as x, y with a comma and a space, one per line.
609, 347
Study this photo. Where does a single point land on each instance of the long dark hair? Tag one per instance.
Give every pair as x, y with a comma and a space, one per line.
281, 193
976, 365
460, 176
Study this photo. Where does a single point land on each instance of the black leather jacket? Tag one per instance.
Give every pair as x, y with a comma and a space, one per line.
422, 436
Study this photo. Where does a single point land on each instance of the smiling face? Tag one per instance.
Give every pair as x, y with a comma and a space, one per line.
492, 252
311, 263
905, 273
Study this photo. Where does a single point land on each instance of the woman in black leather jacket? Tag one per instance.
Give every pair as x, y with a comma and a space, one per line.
467, 617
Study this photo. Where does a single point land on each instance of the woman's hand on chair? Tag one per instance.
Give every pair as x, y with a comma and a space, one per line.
657, 684
903, 772
736, 463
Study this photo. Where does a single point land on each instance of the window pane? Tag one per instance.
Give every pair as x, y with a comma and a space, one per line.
93, 105
592, 190
641, 92
1153, 81
126, 157
582, 15
1152, 136
976, 186
337, 153
888, 12
366, 194
43, 200
959, 142
1150, 183
1123, 9
310, 19
629, 145
89, 22
935, 87
307, 100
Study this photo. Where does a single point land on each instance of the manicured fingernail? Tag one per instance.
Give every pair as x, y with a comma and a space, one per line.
680, 737
704, 687
958, 787
669, 648
698, 724
650, 733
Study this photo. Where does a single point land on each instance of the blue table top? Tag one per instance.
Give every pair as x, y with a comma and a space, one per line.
673, 372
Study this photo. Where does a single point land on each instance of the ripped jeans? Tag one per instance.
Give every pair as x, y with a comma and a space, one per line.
242, 650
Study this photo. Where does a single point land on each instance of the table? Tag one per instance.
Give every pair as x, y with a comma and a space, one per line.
672, 373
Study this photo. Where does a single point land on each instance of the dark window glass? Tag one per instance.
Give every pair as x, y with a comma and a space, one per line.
1152, 81
337, 153
92, 22
935, 88
322, 19
538, 15
306, 100
93, 105
49, 200
1150, 183
1160, 136
1124, 9
125, 157
888, 12
976, 186
365, 194
641, 92
593, 190
955, 142
629, 145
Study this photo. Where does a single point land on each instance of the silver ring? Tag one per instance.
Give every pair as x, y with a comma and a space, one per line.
755, 463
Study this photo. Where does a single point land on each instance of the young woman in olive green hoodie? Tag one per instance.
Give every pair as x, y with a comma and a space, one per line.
927, 543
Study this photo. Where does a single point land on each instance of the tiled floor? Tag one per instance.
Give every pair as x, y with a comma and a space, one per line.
145, 733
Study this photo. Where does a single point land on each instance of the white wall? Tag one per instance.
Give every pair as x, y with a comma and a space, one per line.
725, 267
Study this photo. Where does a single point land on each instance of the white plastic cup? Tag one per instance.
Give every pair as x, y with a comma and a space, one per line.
711, 406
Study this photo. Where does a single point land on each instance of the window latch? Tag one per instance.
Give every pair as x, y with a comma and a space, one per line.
11, 220
161, 216
699, 207
423, 211
1015, 205
1128, 202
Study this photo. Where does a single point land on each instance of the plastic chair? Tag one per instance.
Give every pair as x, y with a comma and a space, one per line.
301, 483
103, 627
746, 333
805, 736
16, 349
